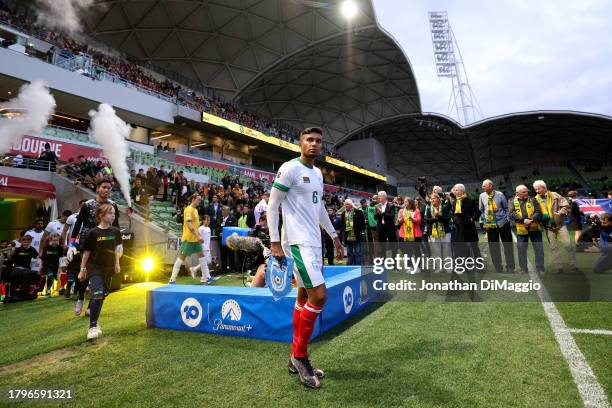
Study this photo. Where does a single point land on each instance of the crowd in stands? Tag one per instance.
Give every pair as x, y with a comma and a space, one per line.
131, 72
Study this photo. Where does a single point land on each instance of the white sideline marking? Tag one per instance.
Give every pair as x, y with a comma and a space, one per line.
591, 392
592, 331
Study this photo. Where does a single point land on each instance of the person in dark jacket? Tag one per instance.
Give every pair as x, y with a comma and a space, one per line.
465, 215
527, 215
214, 212
353, 225
385, 216
575, 215
438, 217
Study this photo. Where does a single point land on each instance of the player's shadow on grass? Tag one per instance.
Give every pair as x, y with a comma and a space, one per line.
341, 327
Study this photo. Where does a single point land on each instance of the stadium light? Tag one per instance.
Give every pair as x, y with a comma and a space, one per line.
349, 9
147, 264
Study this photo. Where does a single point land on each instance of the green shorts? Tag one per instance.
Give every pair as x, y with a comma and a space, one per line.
189, 248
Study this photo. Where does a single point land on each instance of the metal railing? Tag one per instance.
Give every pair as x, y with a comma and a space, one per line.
28, 163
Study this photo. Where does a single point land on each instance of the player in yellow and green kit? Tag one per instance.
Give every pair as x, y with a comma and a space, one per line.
191, 241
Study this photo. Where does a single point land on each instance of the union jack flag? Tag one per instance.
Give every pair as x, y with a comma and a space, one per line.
595, 206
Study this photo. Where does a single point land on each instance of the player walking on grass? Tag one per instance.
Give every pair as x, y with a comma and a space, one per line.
86, 219
205, 234
299, 188
100, 260
191, 239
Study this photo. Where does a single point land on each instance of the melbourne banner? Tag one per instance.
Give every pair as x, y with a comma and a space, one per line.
32, 146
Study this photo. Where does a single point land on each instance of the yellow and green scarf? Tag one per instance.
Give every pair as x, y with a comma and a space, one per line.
350, 231
547, 213
521, 229
491, 209
437, 229
458, 203
408, 225
242, 221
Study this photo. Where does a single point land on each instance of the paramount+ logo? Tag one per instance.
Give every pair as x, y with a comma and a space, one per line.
191, 312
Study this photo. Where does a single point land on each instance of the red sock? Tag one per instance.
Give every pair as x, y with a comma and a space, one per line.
308, 317
296, 325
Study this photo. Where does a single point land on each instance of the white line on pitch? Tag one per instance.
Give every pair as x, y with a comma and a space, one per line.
591, 392
592, 331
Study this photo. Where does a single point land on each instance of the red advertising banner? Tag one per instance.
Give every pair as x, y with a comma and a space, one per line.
245, 171
32, 146
19, 185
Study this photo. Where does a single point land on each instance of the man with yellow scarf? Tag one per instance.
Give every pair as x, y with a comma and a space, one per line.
465, 214
554, 207
493, 208
527, 214
353, 222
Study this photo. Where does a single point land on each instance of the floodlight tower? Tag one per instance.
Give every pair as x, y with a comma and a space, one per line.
449, 64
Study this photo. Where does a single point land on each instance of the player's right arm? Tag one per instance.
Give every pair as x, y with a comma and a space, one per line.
280, 187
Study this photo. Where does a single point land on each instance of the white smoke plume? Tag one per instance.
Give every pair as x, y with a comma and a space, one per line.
110, 132
35, 104
63, 14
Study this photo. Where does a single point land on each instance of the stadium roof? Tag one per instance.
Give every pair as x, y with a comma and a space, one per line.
298, 61
441, 149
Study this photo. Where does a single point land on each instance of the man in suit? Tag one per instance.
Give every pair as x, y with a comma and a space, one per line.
385, 215
465, 214
214, 212
228, 262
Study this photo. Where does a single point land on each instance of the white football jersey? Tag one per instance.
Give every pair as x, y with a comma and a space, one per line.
302, 207
205, 234
55, 226
36, 238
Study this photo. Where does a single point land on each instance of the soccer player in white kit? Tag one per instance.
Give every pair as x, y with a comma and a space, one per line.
299, 188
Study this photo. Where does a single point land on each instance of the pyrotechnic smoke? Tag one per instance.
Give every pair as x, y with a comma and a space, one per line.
63, 14
110, 132
33, 107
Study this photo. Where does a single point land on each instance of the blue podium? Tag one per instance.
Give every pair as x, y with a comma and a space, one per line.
252, 312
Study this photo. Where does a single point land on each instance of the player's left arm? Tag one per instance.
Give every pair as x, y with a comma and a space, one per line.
119, 248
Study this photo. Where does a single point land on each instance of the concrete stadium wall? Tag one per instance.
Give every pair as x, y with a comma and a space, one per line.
370, 153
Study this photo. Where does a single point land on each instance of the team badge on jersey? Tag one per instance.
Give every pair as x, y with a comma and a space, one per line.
306, 179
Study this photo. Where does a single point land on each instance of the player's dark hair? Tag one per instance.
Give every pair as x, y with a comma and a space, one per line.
39, 219
67, 213
99, 183
310, 130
